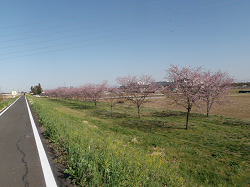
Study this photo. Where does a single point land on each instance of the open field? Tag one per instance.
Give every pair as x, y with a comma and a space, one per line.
239, 108
100, 148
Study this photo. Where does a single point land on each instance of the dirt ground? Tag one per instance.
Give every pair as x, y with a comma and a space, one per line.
239, 108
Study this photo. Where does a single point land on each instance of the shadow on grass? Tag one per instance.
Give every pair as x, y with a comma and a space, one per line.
230, 121
172, 113
108, 114
235, 122
74, 105
151, 125
168, 113
126, 120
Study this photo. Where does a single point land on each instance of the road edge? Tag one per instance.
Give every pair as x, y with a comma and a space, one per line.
47, 172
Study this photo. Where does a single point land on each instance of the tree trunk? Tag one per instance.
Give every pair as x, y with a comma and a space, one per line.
188, 112
139, 114
111, 106
207, 109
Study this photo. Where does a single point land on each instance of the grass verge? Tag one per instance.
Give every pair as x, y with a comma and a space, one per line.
100, 148
6, 103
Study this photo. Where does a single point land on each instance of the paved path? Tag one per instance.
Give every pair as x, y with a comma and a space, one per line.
20, 164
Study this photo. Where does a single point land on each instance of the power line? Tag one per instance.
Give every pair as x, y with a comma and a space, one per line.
122, 39
120, 17
86, 34
83, 22
83, 28
129, 27
85, 14
89, 40
125, 28
112, 10
119, 22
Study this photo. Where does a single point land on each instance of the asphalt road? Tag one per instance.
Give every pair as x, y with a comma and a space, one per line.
20, 163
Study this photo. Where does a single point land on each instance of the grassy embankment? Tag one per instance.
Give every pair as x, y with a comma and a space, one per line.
6, 103
101, 149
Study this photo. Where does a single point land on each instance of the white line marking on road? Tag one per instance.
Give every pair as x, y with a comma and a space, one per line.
47, 172
8, 107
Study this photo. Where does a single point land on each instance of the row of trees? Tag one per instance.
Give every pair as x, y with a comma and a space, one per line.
186, 87
84, 93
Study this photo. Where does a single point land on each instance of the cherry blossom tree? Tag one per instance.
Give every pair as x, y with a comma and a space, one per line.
76, 93
114, 95
215, 88
70, 93
184, 87
95, 91
137, 89
63, 92
84, 93
49, 92
111, 96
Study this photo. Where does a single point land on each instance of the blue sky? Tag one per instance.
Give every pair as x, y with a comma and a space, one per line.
62, 42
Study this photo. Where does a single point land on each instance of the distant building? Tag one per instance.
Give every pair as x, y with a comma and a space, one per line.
14, 93
164, 83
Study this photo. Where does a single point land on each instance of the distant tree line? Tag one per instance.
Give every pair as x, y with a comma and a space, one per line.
241, 84
36, 90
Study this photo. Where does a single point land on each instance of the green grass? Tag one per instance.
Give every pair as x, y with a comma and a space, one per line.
6, 103
100, 148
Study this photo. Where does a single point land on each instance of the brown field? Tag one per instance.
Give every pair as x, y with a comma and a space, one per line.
239, 108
